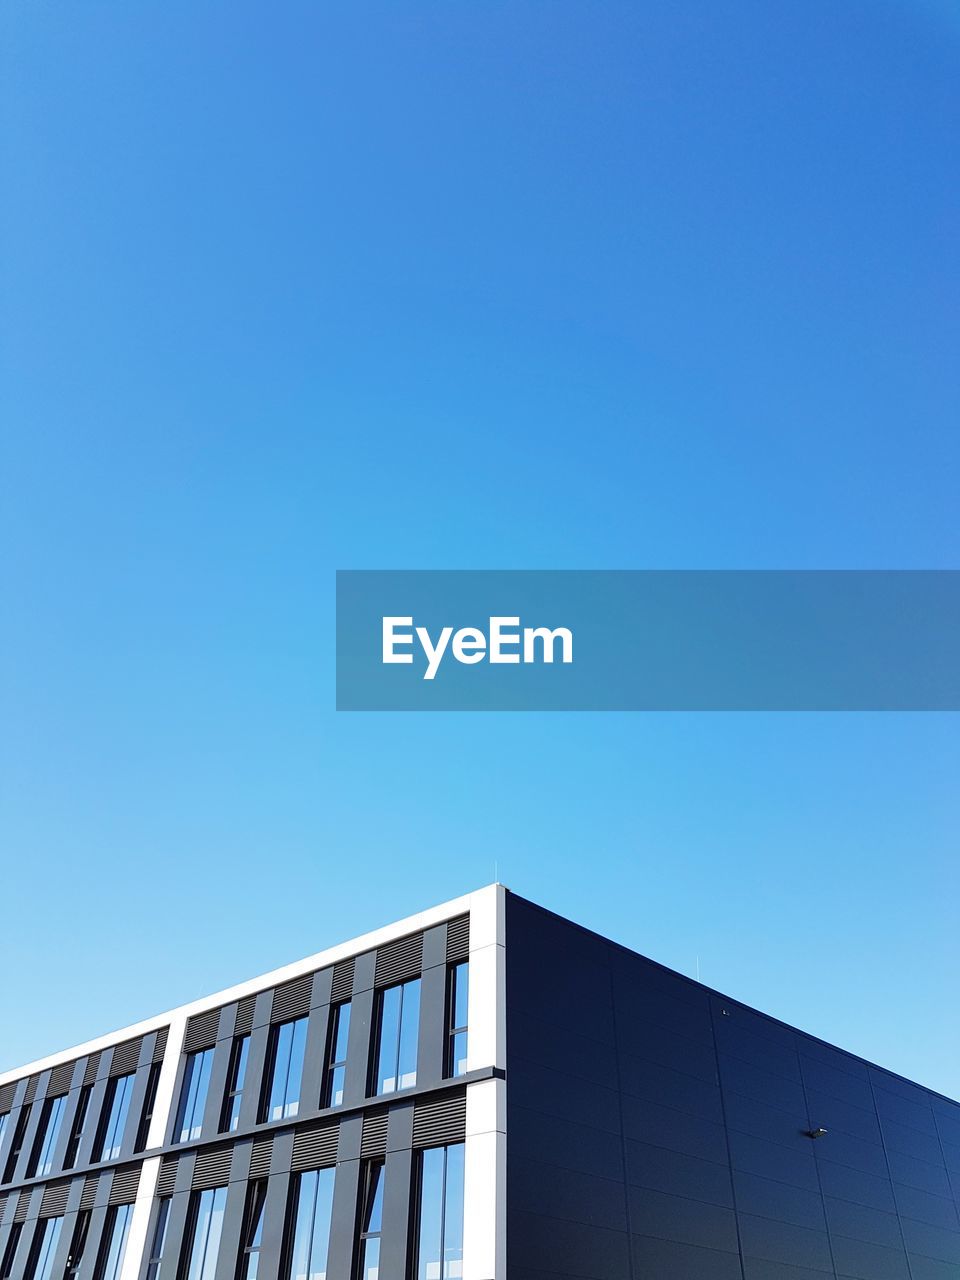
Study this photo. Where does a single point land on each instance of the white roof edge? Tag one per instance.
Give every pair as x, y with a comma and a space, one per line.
263, 982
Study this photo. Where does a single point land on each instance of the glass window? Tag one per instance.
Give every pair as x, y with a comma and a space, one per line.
116, 1105
288, 1041
159, 1239
193, 1096
399, 1027
16, 1147
10, 1252
77, 1128
236, 1076
114, 1242
77, 1245
458, 990
252, 1238
45, 1242
440, 1228
45, 1143
311, 1225
371, 1223
204, 1234
337, 1055
149, 1102
3, 1123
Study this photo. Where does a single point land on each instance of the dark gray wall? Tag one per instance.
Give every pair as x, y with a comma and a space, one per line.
658, 1131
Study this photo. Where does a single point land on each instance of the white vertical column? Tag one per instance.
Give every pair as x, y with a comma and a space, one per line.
140, 1220
167, 1082
485, 1162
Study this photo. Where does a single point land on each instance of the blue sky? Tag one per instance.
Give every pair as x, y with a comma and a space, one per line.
287, 289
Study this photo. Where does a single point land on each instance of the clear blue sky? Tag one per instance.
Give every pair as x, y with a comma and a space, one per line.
287, 288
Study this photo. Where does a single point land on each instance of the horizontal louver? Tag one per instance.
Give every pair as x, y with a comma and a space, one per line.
399, 960
292, 1000
244, 1022
458, 939
61, 1078
54, 1201
31, 1092
91, 1069
123, 1190
23, 1204
89, 1193
443, 1120
342, 988
3, 1206
160, 1048
212, 1168
201, 1031
314, 1148
125, 1057
373, 1140
167, 1177
260, 1158
6, 1096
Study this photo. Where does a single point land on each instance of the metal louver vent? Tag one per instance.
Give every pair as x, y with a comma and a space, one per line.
260, 1158
212, 1168
61, 1078
23, 1204
31, 1092
54, 1201
292, 1000
201, 1031
166, 1180
458, 939
373, 1140
342, 988
443, 1120
125, 1057
3, 1205
91, 1069
123, 1190
89, 1191
160, 1048
399, 960
244, 1023
6, 1096
314, 1148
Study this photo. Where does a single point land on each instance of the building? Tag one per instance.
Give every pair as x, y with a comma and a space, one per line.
481, 1091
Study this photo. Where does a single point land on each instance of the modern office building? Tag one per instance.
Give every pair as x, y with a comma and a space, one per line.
481, 1091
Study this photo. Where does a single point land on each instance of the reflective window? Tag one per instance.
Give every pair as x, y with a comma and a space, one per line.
3, 1123
159, 1239
252, 1237
311, 1225
440, 1230
45, 1242
116, 1105
204, 1234
230, 1118
288, 1041
371, 1222
149, 1102
337, 1055
77, 1245
78, 1126
16, 1147
398, 1027
193, 1096
10, 1252
45, 1143
458, 985
114, 1243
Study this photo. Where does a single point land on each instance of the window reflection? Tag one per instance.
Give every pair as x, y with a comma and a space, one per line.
399, 1028
193, 1096
288, 1043
311, 1225
440, 1234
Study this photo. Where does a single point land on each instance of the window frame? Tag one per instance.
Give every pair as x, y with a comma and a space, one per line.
334, 1063
417, 1207
194, 1089
185, 1264
10, 1251
109, 1239
78, 1244
158, 1239
48, 1131
371, 1197
16, 1146
455, 1029
376, 1057
78, 1127
290, 1107
236, 1082
114, 1116
46, 1237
